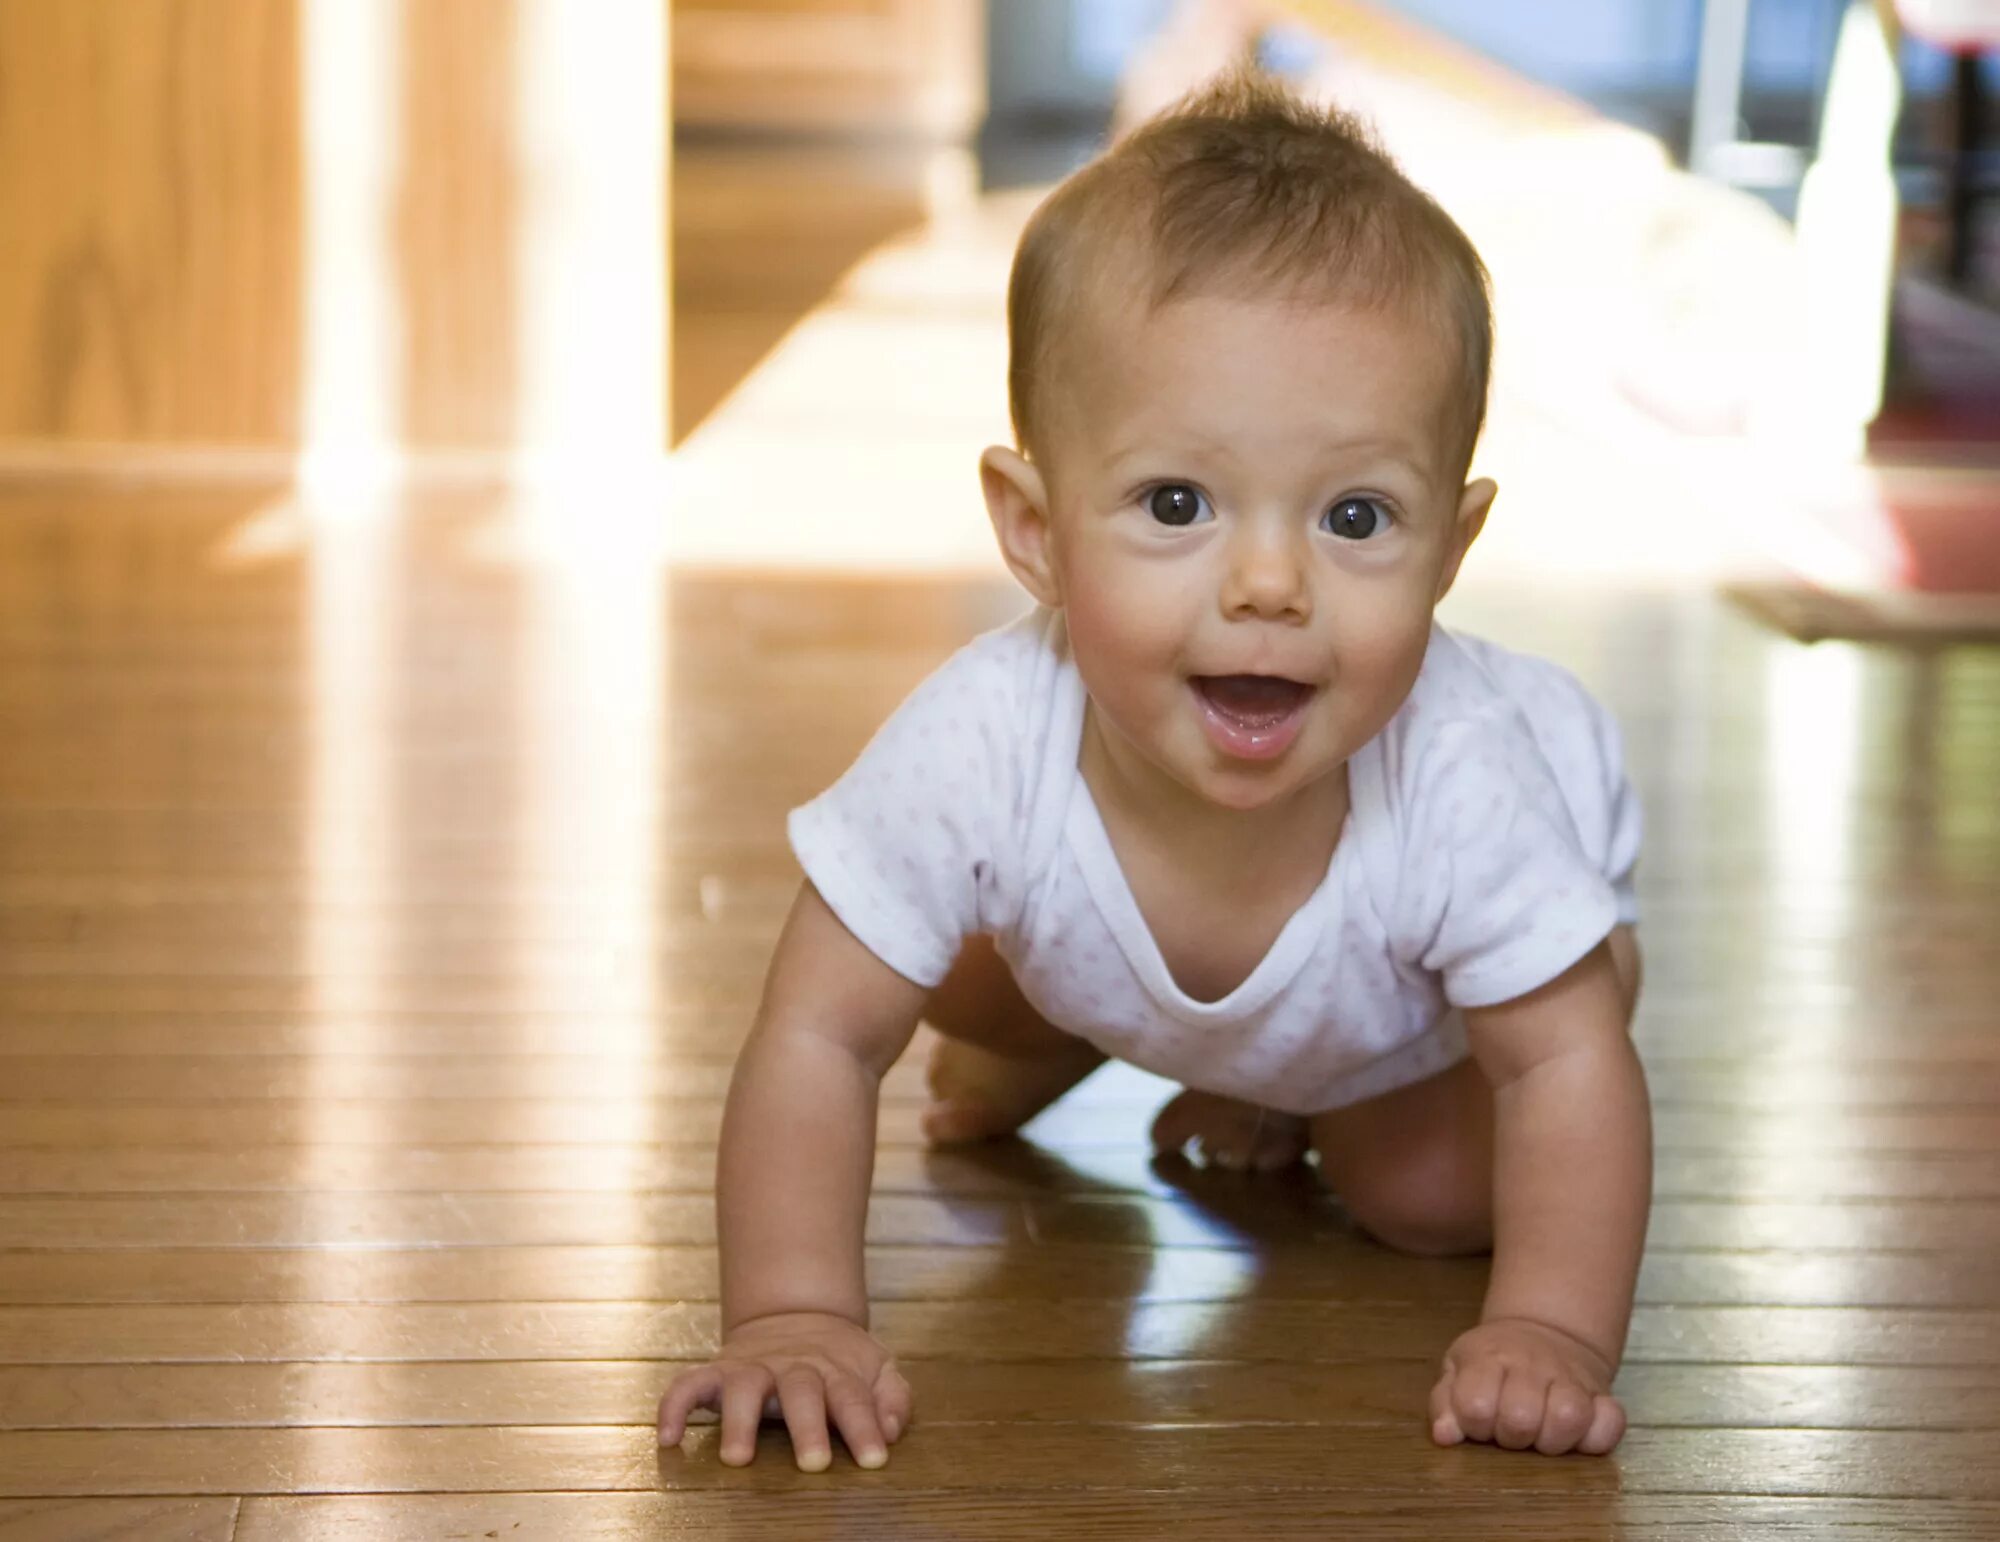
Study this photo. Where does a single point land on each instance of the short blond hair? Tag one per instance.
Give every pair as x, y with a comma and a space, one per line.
1242, 180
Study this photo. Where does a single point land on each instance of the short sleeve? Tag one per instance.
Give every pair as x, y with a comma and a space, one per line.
1580, 740
1624, 823
1503, 895
905, 846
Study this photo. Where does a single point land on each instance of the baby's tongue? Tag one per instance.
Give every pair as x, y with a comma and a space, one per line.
1254, 699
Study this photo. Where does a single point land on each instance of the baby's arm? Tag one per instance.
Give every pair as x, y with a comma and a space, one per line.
1572, 1185
798, 1151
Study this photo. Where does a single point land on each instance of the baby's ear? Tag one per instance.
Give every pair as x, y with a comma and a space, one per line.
1473, 505
1017, 501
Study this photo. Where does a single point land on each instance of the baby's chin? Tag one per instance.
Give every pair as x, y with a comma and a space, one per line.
1246, 788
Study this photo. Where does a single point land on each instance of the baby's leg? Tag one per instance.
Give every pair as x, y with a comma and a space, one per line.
1415, 1166
999, 1062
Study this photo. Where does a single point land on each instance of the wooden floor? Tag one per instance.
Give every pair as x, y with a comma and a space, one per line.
377, 920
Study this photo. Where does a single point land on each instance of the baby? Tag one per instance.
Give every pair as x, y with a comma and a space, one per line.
1227, 804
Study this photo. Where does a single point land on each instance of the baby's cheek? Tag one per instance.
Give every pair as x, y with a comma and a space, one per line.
1121, 626
1381, 654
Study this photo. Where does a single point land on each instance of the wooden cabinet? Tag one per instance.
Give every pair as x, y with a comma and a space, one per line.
844, 66
150, 255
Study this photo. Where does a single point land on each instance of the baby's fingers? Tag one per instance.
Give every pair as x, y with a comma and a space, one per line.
744, 1389
698, 1388
1475, 1398
1524, 1397
1566, 1421
804, 1403
1607, 1427
893, 1402
854, 1412
1444, 1419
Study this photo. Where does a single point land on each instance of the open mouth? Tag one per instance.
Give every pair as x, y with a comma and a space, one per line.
1251, 717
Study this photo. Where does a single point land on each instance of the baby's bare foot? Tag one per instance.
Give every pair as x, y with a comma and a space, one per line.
976, 1094
1227, 1133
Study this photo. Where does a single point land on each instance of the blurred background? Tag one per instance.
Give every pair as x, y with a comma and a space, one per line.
1744, 249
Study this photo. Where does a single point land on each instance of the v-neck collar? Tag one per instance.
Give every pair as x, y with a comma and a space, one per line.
1090, 842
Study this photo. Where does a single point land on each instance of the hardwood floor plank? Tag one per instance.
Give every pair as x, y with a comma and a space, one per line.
1003, 1172
1257, 1329
622, 1391
1881, 1464
1065, 1127
118, 1520
321, 1219
1009, 1515
1350, 1269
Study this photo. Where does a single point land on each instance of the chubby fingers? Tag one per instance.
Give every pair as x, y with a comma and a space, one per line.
1524, 1398
854, 1413
1445, 1428
1473, 1398
1517, 1412
698, 1388
893, 1402
744, 1391
1566, 1420
803, 1399
1607, 1426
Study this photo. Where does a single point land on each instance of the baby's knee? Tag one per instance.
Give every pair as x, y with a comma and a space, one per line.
1435, 1209
979, 1003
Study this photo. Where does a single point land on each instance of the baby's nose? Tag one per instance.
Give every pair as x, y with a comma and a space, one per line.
1268, 579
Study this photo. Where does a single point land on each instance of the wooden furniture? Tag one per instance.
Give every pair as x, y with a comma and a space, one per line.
904, 67
238, 231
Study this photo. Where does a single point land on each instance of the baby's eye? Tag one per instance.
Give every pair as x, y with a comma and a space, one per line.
1356, 519
1175, 503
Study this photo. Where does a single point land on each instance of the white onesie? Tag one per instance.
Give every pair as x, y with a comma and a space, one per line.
1489, 845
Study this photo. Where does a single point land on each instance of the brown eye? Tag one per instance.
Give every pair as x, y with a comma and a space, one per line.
1356, 518
1174, 504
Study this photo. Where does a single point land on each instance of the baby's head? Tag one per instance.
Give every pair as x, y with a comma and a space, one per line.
1249, 365
1244, 190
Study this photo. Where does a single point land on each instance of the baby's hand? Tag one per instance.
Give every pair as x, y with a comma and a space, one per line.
804, 1365
1521, 1384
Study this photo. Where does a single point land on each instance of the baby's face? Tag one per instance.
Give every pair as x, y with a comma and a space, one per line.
1253, 511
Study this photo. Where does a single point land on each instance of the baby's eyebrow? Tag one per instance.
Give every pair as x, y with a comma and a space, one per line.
1389, 452
1153, 445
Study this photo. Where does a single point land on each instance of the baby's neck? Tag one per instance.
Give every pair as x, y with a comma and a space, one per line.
1144, 802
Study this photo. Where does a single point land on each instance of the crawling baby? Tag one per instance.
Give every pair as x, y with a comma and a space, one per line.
1227, 804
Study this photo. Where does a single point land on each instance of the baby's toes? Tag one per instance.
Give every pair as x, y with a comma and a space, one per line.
1279, 1142
1229, 1133
1245, 1138
1181, 1121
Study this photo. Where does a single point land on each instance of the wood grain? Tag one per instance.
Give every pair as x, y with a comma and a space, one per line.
149, 167
1008, 1515
1344, 1269
326, 1393
1877, 1464
118, 1520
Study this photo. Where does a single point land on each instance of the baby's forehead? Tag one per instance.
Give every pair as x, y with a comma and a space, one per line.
1138, 340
